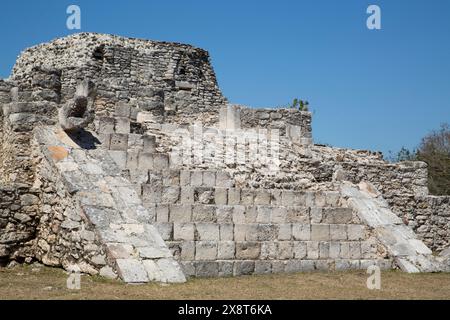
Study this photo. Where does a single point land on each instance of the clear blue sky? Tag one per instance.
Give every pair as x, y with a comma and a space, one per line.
376, 90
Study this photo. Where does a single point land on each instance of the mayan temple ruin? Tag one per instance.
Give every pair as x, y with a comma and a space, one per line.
121, 157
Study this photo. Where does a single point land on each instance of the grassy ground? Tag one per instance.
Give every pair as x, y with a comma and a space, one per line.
28, 282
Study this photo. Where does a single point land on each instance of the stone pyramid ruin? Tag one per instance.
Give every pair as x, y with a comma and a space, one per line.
121, 157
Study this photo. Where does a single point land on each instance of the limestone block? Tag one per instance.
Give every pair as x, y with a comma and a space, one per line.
279, 215
324, 265
131, 270
262, 197
187, 250
120, 250
132, 160
301, 231
105, 140
225, 268
316, 215
299, 249
278, 266
285, 231
165, 230
309, 198
149, 143
337, 215
209, 179
332, 198
293, 266
263, 267
152, 193
345, 250
122, 110
240, 231
335, 249
122, 125
285, 250
355, 250
224, 214
206, 269
106, 125
251, 214
312, 250
320, 199
196, 178
355, 232
187, 195
185, 178
338, 232
171, 270
220, 196
153, 252
320, 232
207, 231
204, 213
239, 214
223, 179
226, 250
183, 231
243, 268
145, 161
247, 197
264, 214
266, 232
307, 265
170, 195
171, 178
324, 250
160, 162
180, 213
287, 198
162, 213
206, 250
135, 142
119, 141
298, 215
226, 231
234, 196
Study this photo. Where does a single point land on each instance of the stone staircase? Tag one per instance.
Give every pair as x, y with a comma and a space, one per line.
110, 203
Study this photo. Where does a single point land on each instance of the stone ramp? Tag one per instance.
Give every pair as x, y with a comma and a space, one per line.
410, 254
135, 250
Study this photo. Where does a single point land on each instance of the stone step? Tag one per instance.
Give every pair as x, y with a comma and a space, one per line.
224, 268
193, 231
156, 193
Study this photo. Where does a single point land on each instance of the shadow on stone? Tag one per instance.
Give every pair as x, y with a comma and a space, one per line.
84, 139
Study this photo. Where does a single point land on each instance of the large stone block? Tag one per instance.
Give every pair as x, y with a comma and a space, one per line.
209, 179
206, 269
247, 197
131, 270
279, 215
338, 232
196, 178
160, 162
106, 125
207, 231
243, 268
226, 231
206, 250
312, 250
263, 267
187, 195
145, 161
320, 232
262, 197
337, 215
301, 231
122, 125
180, 213
183, 231
187, 250
266, 232
220, 196
355, 232
285, 250
324, 250
223, 179
224, 214
234, 196
264, 214
204, 213
119, 141
299, 249
285, 231
162, 213
226, 250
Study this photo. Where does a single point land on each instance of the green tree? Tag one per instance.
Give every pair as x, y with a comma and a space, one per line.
435, 151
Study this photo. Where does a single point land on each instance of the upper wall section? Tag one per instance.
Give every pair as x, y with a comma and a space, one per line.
161, 77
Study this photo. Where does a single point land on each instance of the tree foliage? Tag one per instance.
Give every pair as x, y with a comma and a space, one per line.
435, 151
